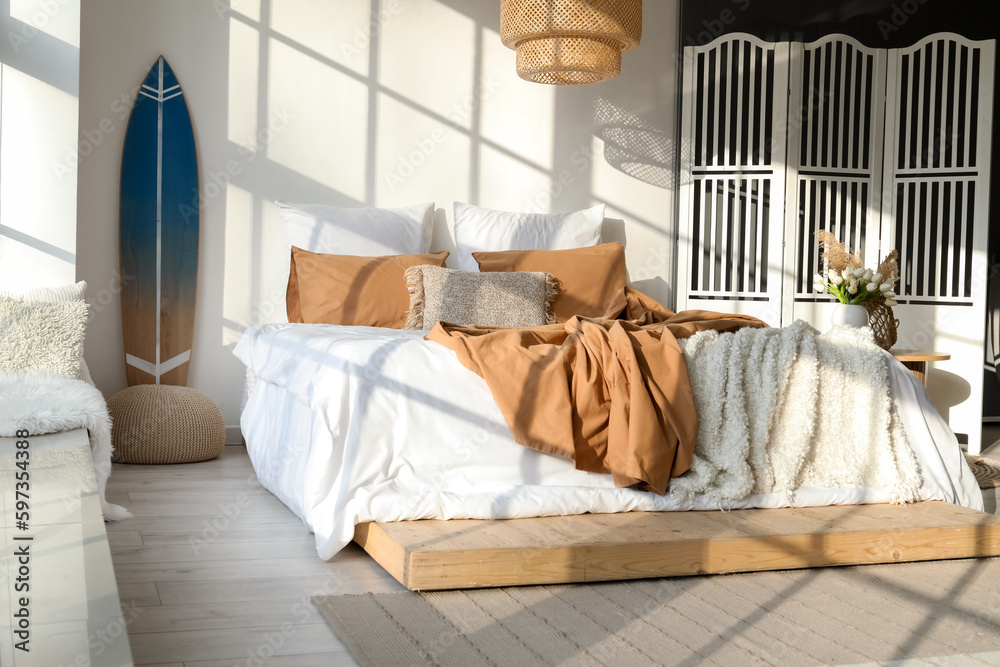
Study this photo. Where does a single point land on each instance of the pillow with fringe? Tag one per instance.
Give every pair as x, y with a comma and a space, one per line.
510, 299
42, 337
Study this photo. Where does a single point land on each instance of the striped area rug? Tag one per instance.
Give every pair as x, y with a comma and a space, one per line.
844, 616
987, 471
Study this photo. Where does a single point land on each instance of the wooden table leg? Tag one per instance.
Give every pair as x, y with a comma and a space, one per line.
918, 368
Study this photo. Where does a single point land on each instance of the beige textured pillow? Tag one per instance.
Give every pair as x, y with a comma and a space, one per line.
43, 337
513, 299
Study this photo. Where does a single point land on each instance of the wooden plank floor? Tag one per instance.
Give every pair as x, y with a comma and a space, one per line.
214, 571
435, 555
232, 599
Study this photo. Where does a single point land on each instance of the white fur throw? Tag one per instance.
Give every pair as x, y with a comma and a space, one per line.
42, 403
783, 408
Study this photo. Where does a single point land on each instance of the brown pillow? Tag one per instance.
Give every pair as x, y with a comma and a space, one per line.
509, 299
590, 278
349, 289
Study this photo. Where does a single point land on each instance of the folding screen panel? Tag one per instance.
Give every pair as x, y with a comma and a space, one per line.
732, 172
836, 115
939, 96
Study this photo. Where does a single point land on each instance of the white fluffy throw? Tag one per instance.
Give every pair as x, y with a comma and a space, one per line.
784, 408
43, 403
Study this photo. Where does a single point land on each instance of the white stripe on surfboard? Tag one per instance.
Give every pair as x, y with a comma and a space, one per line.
161, 90
159, 220
160, 99
161, 95
153, 369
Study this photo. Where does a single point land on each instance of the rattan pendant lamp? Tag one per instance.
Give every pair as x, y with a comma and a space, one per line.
570, 41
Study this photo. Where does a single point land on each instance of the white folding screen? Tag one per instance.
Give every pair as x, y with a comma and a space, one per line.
733, 177
939, 96
884, 148
836, 115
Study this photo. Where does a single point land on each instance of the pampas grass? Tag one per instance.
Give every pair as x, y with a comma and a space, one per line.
835, 254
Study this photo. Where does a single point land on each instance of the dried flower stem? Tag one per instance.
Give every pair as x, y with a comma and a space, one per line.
835, 254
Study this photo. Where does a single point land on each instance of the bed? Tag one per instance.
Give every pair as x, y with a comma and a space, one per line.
360, 427
316, 432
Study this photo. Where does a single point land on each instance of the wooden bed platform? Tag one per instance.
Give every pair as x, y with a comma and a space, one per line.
434, 555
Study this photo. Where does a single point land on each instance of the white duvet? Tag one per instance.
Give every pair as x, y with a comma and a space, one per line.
352, 424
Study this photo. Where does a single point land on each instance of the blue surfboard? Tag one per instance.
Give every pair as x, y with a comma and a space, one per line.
159, 232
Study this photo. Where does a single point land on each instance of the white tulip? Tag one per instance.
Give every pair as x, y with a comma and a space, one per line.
876, 277
847, 273
819, 287
837, 280
871, 287
858, 272
891, 302
867, 276
818, 278
885, 287
889, 295
853, 288
832, 273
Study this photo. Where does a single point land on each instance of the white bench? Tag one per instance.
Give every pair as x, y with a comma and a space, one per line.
74, 616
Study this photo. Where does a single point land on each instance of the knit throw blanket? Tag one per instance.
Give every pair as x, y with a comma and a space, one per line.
41, 403
790, 407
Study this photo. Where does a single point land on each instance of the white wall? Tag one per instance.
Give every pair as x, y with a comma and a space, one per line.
40, 56
301, 100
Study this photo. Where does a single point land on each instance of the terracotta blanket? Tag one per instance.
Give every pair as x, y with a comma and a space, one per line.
613, 395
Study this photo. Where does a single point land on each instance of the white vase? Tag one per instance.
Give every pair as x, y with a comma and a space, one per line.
853, 315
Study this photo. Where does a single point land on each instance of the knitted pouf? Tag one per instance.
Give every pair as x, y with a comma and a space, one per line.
165, 424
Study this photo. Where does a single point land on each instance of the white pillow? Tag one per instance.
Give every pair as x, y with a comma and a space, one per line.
482, 229
57, 295
369, 232
51, 294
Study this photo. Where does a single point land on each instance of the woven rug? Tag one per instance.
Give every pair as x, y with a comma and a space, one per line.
824, 616
987, 471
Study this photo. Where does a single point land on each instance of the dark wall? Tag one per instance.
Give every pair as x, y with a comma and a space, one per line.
875, 23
